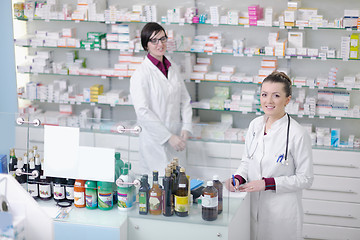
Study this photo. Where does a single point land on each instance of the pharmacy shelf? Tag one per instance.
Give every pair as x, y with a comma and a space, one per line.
80, 103
258, 111
207, 53
107, 131
259, 84
74, 75
185, 23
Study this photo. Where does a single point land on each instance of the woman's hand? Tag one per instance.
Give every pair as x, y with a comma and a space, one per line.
177, 142
253, 186
184, 135
229, 185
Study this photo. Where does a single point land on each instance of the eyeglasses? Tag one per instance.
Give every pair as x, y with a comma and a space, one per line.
155, 41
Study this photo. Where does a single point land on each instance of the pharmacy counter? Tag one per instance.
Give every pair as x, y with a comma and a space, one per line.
82, 223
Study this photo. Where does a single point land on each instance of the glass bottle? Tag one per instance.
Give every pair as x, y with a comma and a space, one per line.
59, 189
33, 180
12, 162
45, 192
69, 189
26, 162
181, 195
20, 165
167, 194
144, 195
209, 202
155, 196
219, 187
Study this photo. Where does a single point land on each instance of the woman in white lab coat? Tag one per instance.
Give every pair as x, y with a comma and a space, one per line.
276, 165
161, 102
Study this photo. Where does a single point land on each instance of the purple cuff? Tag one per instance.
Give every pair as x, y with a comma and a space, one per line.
269, 184
240, 179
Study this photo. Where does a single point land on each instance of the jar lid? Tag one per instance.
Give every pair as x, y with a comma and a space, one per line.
105, 185
90, 184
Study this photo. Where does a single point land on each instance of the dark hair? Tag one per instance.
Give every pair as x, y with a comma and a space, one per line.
148, 30
280, 77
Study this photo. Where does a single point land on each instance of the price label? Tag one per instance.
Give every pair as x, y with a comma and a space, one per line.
42, 100
215, 25
311, 116
249, 55
323, 59
301, 28
168, 23
187, 80
244, 112
77, 21
298, 86
198, 81
300, 116
349, 88
349, 29
47, 20
322, 117
288, 27
96, 49
287, 57
321, 87
313, 58
312, 87
258, 113
78, 103
113, 22
92, 104
246, 26
107, 22
112, 105
210, 53
72, 102
338, 118
181, 24
121, 78
345, 59
87, 48
282, 27
299, 57
103, 77
280, 57
314, 28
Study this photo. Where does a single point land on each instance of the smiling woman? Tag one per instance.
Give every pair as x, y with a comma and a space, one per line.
161, 102
276, 166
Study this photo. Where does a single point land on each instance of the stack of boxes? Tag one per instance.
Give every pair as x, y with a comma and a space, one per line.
233, 17
93, 40
290, 15
226, 73
95, 91
201, 69
119, 38
215, 15
221, 95
255, 13
354, 46
175, 15
351, 18
242, 101
268, 65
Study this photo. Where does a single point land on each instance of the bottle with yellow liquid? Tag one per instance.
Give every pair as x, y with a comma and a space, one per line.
182, 195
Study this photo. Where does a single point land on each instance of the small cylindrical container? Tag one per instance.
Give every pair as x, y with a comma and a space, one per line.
105, 195
91, 195
59, 189
79, 193
69, 189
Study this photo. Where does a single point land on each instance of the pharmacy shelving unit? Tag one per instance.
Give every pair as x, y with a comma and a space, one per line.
332, 206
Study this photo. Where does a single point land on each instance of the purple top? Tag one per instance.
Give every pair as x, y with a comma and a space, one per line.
162, 66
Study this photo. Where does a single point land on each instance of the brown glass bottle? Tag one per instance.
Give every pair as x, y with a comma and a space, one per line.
181, 195
209, 202
219, 187
155, 196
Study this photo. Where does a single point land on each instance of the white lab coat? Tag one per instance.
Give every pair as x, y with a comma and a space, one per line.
277, 215
163, 108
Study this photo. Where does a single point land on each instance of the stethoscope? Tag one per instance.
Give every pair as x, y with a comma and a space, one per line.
283, 159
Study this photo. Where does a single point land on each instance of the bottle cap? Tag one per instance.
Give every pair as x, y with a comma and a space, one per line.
182, 169
117, 156
91, 184
124, 171
105, 185
210, 183
216, 177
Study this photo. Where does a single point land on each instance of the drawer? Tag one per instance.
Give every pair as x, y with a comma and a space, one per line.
323, 232
334, 189
331, 213
111, 141
336, 163
214, 149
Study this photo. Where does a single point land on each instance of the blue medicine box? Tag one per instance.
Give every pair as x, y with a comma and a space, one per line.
3, 164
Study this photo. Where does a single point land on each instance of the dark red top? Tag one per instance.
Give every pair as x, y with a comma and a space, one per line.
162, 66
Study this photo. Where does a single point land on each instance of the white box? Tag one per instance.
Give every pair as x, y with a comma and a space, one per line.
296, 39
